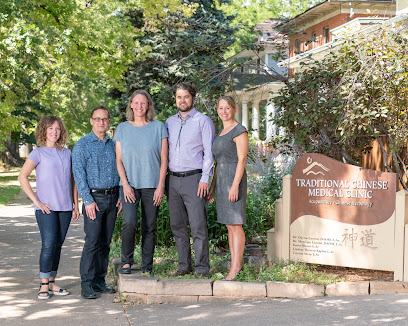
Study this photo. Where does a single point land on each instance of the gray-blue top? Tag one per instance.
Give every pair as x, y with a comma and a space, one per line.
94, 165
141, 148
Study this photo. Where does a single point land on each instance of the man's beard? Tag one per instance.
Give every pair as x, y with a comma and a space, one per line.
186, 109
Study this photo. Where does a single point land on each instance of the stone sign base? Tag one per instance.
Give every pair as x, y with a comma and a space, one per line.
329, 242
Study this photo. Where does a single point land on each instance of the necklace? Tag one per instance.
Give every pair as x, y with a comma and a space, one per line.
182, 123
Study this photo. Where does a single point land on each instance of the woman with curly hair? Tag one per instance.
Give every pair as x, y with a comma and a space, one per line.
55, 194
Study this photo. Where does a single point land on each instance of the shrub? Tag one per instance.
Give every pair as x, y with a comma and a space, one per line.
265, 172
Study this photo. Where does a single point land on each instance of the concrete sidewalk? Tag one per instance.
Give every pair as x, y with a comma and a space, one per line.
20, 246
19, 253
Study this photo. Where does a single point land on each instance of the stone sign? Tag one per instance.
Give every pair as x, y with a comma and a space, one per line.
341, 214
333, 213
341, 192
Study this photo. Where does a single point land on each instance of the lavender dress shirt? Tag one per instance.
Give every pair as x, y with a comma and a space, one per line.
190, 142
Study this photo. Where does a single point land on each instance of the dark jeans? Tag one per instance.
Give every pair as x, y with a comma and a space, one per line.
53, 229
149, 217
185, 208
98, 235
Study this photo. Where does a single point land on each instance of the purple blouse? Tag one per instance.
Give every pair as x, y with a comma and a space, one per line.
53, 170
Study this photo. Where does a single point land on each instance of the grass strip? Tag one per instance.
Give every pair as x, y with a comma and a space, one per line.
7, 193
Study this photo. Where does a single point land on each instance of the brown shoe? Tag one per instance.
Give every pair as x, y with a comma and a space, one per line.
180, 273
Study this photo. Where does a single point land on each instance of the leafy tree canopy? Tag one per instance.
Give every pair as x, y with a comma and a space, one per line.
357, 94
249, 13
61, 56
179, 48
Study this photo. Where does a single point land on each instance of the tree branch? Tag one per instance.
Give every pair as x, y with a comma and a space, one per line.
384, 153
398, 170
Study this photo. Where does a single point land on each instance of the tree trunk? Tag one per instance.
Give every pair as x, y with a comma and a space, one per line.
9, 155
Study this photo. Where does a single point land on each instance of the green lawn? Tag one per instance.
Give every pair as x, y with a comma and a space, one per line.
4, 178
7, 193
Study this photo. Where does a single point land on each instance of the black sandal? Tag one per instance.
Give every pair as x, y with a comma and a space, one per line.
43, 297
60, 292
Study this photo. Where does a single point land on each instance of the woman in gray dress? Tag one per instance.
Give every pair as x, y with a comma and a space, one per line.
230, 149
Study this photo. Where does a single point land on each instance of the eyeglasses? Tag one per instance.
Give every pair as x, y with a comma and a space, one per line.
99, 120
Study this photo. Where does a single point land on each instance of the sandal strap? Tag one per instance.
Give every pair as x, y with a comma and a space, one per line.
43, 292
52, 281
44, 283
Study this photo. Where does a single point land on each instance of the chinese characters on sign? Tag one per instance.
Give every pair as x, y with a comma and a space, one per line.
366, 238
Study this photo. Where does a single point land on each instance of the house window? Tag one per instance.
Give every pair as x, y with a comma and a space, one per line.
326, 35
297, 46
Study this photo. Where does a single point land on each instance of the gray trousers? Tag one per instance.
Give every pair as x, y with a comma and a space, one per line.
186, 207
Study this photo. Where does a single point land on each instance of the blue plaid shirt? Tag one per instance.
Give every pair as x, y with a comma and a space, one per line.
94, 165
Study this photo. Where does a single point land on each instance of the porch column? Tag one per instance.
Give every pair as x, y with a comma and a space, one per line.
238, 114
255, 119
244, 116
270, 125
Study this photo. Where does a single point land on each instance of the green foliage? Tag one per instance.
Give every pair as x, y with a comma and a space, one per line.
374, 84
284, 271
62, 57
264, 188
6, 178
179, 48
166, 262
249, 13
52, 52
164, 237
358, 93
7, 193
311, 110
217, 233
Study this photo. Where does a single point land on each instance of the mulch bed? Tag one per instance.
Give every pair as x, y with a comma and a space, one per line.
355, 274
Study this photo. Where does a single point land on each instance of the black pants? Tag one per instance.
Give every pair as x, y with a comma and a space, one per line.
149, 218
98, 235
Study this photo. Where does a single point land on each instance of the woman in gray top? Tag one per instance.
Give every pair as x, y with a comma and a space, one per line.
230, 149
141, 157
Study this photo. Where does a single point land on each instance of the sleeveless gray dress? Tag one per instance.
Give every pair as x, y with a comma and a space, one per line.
225, 152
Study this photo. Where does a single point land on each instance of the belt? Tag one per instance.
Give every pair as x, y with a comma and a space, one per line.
186, 173
108, 191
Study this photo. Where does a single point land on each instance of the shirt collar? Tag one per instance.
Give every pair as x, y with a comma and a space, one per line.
95, 138
189, 115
